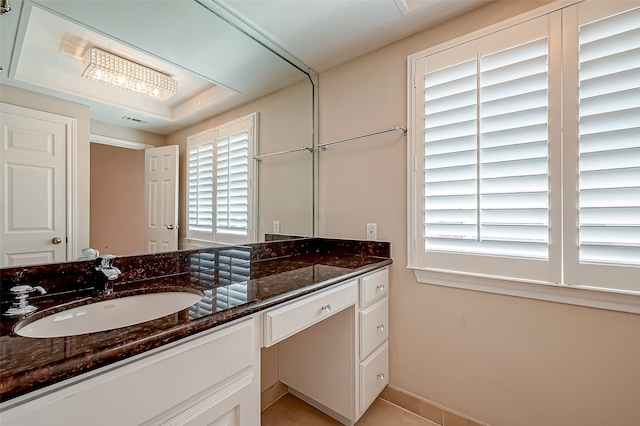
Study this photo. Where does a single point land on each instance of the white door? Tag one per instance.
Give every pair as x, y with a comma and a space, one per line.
161, 198
33, 186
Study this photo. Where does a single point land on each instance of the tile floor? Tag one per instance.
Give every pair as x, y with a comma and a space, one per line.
290, 411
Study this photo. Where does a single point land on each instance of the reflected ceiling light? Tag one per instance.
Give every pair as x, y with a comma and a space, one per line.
118, 72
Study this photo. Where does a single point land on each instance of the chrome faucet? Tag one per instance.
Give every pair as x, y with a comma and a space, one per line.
20, 304
107, 270
89, 253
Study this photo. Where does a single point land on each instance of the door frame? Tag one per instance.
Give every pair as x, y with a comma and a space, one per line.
71, 168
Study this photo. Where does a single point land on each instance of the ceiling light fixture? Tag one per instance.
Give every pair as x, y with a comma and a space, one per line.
118, 72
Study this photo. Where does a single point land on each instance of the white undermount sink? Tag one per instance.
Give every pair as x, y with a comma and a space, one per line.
108, 314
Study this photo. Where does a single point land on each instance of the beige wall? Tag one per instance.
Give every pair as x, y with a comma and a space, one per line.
285, 181
498, 359
27, 99
117, 190
117, 200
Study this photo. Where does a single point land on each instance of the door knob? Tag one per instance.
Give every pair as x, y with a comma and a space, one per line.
56, 240
169, 226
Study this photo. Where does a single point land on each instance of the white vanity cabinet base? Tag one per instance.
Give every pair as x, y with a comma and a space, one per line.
373, 370
210, 379
341, 364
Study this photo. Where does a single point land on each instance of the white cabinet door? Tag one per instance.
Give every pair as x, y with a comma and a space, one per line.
33, 194
161, 198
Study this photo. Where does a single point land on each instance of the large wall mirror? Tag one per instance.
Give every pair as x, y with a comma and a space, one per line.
225, 70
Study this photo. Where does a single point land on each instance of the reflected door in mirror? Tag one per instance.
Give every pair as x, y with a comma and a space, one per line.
161, 198
33, 186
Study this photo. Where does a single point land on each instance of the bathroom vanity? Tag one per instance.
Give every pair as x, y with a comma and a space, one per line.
324, 302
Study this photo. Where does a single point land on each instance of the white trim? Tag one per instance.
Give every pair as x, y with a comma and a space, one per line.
254, 178
121, 143
73, 247
516, 20
570, 158
580, 296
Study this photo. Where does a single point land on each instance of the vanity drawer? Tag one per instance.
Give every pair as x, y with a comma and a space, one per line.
374, 329
374, 376
283, 322
374, 286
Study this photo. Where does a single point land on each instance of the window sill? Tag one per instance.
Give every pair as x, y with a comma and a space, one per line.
581, 296
195, 243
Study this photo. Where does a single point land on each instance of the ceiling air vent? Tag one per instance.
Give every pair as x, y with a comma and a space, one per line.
137, 120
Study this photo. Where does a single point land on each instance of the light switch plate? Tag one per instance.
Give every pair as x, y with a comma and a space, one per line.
372, 231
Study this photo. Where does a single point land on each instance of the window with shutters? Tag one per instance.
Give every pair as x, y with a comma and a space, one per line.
525, 153
220, 186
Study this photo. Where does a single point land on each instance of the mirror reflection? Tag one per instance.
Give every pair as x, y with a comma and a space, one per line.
224, 72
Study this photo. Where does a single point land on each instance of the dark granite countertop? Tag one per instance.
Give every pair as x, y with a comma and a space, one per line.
236, 282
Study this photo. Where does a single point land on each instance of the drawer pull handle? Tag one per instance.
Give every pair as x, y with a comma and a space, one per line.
380, 287
380, 327
326, 308
380, 376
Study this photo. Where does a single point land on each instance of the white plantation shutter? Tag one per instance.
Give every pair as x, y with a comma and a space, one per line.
486, 152
486, 186
514, 185
604, 248
609, 146
220, 191
200, 191
450, 158
526, 157
232, 193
